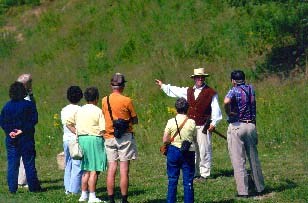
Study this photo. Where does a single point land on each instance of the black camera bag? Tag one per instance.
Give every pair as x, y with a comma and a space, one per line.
185, 146
120, 127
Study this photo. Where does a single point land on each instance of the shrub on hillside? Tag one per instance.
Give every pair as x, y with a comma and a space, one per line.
287, 29
126, 52
239, 3
7, 43
19, 2
97, 58
3, 8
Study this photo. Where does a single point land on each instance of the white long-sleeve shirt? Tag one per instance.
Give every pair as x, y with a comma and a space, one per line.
174, 91
68, 112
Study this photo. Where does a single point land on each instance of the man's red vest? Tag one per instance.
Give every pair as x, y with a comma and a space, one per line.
200, 109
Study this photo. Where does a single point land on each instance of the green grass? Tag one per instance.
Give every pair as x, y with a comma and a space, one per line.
65, 43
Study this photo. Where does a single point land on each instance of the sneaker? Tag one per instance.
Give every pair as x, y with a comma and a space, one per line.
83, 199
263, 192
94, 200
40, 189
23, 186
196, 177
242, 196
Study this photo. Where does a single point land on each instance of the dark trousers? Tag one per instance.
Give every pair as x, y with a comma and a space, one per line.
22, 146
177, 160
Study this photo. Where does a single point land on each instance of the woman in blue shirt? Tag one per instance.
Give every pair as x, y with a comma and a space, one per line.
18, 119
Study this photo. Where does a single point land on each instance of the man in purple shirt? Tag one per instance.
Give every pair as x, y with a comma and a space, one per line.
240, 106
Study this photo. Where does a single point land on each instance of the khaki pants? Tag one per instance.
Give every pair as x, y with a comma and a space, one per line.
242, 142
203, 153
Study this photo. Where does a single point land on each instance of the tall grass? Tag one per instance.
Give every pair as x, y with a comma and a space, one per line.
83, 43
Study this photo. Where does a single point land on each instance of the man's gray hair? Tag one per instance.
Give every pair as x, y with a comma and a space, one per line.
24, 78
116, 87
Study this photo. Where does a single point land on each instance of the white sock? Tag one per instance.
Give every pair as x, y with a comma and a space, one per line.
84, 194
92, 195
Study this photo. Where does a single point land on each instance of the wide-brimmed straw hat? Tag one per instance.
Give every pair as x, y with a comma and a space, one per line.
199, 72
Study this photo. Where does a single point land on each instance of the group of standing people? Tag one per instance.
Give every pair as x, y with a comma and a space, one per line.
103, 149
197, 106
107, 139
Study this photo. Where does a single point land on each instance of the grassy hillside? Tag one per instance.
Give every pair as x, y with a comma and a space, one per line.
75, 42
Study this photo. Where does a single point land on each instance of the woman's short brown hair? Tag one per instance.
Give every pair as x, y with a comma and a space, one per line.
181, 105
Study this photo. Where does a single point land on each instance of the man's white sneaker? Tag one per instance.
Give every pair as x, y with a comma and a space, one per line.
83, 199
94, 200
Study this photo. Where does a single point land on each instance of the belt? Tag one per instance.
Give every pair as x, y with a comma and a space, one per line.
247, 121
126, 133
89, 135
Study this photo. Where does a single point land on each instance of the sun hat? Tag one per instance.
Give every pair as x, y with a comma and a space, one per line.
118, 79
199, 72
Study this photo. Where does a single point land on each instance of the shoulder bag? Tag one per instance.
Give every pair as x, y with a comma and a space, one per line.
120, 125
75, 149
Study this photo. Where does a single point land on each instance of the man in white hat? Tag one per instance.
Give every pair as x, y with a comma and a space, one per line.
203, 105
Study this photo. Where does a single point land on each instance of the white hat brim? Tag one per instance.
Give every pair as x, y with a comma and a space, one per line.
205, 75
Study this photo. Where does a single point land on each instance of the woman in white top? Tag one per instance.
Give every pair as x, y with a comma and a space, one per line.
72, 172
90, 125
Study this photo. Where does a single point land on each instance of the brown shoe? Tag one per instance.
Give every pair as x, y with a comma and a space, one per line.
199, 179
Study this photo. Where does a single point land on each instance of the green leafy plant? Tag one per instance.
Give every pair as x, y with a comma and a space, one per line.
7, 44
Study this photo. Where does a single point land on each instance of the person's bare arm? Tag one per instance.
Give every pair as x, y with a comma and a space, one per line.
71, 127
15, 133
166, 138
158, 82
227, 108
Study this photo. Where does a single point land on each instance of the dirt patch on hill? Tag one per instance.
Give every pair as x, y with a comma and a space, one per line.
8, 28
33, 13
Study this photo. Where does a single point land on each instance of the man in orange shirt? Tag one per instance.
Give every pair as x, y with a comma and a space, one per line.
119, 140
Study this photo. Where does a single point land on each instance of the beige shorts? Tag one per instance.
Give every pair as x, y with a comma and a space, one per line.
122, 149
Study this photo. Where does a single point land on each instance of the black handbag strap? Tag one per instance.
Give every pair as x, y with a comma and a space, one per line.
178, 128
109, 108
